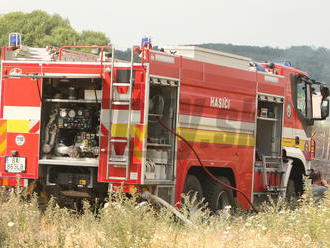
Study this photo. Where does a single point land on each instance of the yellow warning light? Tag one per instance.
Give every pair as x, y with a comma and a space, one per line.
132, 189
82, 182
5, 181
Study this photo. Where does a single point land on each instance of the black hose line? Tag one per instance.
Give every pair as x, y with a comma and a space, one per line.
204, 167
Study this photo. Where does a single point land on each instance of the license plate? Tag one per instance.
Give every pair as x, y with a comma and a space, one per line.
15, 164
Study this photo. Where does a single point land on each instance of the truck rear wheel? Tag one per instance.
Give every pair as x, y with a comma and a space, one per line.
193, 186
217, 195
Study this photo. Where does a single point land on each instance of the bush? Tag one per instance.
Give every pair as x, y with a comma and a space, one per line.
122, 222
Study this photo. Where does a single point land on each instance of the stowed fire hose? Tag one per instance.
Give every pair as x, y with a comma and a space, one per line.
204, 167
148, 196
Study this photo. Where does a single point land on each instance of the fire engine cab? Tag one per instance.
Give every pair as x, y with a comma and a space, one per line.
81, 123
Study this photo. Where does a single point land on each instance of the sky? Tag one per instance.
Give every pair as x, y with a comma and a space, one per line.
280, 23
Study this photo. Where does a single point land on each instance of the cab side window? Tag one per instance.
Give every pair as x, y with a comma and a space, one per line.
301, 98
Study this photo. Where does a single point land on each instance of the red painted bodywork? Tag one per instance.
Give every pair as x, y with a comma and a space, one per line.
23, 92
198, 82
201, 80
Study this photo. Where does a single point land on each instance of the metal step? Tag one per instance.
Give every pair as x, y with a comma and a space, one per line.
269, 170
121, 140
273, 162
122, 84
123, 162
264, 193
276, 189
271, 190
121, 103
118, 164
271, 165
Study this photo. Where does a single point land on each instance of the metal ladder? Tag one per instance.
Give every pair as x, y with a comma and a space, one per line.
122, 161
273, 165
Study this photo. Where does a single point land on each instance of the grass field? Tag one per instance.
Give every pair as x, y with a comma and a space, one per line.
122, 224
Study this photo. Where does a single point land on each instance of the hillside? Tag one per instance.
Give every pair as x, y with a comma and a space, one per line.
313, 60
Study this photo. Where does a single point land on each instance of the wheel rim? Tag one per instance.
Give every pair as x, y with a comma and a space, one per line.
291, 192
222, 200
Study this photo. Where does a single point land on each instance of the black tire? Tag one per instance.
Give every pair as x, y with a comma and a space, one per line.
193, 186
217, 195
291, 194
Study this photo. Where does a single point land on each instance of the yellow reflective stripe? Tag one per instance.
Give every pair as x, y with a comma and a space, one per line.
140, 134
207, 136
120, 130
18, 126
3, 136
288, 142
193, 135
3, 146
292, 143
227, 138
3, 127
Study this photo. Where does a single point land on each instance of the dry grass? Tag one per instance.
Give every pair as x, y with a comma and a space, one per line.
122, 224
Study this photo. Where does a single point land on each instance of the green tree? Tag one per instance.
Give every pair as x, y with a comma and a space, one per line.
88, 38
40, 29
60, 36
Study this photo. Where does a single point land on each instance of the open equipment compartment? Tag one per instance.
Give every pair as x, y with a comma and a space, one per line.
269, 126
70, 121
161, 143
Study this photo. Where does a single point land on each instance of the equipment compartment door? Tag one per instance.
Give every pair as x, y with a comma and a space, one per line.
268, 164
20, 126
122, 125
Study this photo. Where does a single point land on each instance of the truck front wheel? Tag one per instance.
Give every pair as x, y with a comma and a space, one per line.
291, 194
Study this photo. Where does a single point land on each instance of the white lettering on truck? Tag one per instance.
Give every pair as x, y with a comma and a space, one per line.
220, 102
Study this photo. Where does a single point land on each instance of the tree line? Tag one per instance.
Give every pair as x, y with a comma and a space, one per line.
40, 29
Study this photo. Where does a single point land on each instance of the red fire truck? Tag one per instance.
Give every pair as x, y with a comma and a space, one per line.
83, 124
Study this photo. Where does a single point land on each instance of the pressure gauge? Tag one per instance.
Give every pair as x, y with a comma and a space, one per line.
80, 112
72, 113
63, 113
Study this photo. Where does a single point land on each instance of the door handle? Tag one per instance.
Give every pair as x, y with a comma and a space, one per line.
297, 140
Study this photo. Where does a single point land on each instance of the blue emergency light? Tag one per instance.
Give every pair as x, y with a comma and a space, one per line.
15, 39
285, 63
146, 42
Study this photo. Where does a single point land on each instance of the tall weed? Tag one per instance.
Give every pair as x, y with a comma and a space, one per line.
124, 222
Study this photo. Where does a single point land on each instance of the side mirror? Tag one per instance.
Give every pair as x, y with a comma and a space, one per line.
324, 91
325, 109
316, 106
320, 103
